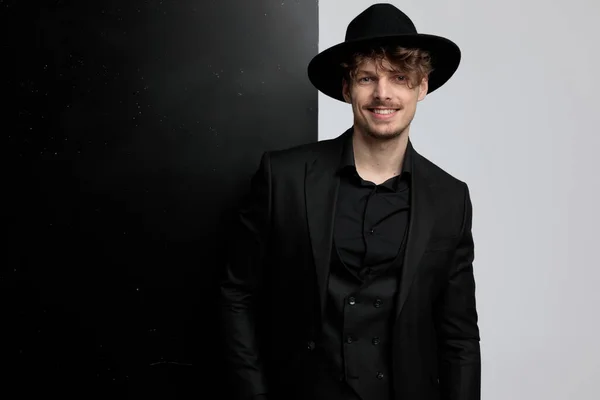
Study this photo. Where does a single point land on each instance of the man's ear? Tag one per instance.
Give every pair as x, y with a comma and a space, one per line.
423, 88
346, 91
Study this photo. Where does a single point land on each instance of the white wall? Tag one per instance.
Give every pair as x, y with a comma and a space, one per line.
519, 122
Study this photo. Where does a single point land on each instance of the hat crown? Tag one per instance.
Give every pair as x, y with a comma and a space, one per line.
379, 20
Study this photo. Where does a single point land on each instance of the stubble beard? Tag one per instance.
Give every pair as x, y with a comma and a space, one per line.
385, 135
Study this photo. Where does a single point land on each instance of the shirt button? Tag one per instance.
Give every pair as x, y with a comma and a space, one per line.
352, 301
376, 341
378, 303
380, 375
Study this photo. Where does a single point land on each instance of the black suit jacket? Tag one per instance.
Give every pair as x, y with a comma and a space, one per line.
273, 287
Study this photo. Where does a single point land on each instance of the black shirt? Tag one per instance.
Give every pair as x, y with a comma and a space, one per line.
369, 216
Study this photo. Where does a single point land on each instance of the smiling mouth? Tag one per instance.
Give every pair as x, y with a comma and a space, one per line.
383, 111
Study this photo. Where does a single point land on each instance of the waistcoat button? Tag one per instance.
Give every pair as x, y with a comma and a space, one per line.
352, 301
378, 303
380, 375
376, 341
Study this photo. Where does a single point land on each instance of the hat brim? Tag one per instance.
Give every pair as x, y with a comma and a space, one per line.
326, 73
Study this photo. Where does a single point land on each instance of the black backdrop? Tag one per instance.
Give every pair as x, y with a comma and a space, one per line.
131, 129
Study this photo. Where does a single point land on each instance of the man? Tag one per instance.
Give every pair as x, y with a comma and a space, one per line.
350, 275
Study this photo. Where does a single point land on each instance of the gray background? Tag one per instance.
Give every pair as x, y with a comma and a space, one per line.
519, 123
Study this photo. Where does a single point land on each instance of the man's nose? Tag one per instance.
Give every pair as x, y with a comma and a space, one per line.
382, 89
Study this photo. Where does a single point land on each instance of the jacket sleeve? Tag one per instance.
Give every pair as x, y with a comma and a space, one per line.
456, 321
240, 284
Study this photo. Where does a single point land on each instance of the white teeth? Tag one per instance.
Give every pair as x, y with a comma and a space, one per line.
388, 111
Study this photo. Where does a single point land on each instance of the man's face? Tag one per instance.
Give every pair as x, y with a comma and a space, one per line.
383, 102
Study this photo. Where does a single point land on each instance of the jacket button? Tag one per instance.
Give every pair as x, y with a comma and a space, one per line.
380, 375
352, 300
378, 303
376, 341
310, 345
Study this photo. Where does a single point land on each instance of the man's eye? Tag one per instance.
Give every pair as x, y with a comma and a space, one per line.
364, 79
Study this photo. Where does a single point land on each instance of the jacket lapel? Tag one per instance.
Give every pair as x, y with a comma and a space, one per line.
321, 190
419, 229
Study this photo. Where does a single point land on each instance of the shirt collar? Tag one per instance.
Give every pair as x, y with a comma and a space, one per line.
347, 161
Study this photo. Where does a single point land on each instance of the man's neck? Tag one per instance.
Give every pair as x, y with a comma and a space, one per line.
379, 158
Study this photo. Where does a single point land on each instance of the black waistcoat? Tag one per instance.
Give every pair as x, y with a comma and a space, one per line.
356, 333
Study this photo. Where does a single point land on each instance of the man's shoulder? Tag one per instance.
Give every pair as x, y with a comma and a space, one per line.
302, 153
439, 176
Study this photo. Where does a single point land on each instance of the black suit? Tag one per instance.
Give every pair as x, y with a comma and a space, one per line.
277, 282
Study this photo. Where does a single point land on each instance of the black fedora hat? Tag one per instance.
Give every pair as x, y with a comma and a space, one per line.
382, 25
